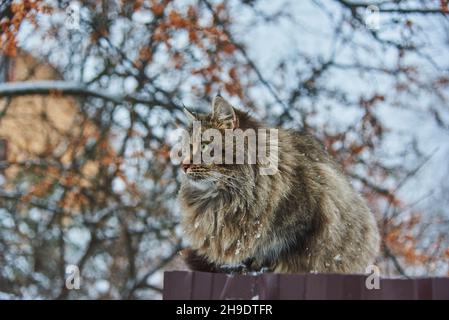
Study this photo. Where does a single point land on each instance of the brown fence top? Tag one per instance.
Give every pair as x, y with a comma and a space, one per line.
180, 285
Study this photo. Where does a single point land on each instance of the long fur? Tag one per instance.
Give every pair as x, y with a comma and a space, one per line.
305, 218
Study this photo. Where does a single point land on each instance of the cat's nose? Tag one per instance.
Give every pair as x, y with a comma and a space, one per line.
185, 166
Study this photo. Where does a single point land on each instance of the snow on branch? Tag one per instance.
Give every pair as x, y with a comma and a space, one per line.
10, 89
354, 5
49, 86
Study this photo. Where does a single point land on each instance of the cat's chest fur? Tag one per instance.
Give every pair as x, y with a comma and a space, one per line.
222, 228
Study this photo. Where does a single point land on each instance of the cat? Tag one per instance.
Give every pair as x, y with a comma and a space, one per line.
304, 218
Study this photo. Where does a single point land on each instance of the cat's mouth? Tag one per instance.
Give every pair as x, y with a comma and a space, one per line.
195, 172
194, 169
200, 179
196, 176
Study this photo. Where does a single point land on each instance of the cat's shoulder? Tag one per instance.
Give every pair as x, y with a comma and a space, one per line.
305, 139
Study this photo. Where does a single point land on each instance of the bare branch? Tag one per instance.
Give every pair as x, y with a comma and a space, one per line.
356, 5
52, 86
44, 87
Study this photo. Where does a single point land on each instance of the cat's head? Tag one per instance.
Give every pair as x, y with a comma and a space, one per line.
202, 165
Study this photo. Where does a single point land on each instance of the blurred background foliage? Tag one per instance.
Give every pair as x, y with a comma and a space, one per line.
91, 94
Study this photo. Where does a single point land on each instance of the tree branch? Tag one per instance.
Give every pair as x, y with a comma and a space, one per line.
356, 5
44, 87
248, 59
142, 282
394, 259
52, 86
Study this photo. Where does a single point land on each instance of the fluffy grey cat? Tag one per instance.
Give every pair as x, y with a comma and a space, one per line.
304, 218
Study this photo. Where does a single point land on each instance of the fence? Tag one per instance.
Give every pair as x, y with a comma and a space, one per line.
180, 285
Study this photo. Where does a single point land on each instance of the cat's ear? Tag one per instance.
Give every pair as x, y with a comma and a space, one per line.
190, 116
224, 113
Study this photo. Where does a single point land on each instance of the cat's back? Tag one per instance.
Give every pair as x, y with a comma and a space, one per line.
327, 216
